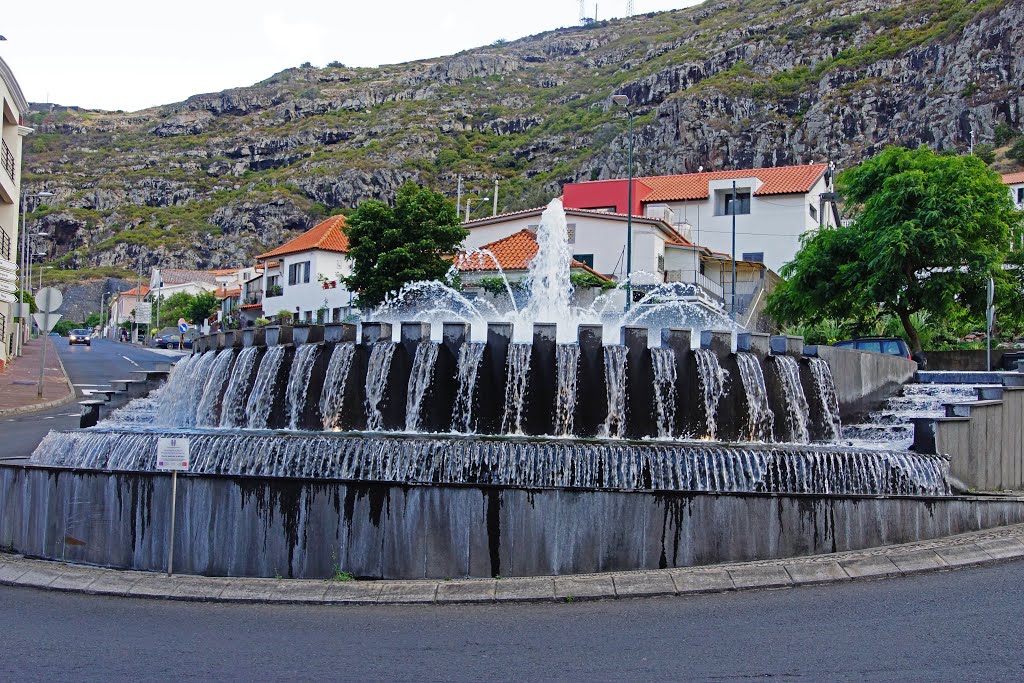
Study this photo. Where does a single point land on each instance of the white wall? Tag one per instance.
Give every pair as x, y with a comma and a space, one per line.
773, 226
311, 296
602, 237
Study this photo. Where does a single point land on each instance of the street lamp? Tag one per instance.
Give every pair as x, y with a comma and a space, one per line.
623, 101
469, 203
41, 269
24, 265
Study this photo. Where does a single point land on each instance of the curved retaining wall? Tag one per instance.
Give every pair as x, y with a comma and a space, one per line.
237, 526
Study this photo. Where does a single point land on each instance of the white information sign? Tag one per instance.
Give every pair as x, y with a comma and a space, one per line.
8, 299
172, 454
49, 299
143, 312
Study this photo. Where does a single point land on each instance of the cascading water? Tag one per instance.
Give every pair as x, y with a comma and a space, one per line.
615, 389
529, 463
796, 407
420, 379
517, 376
377, 372
264, 390
332, 397
470, 355
567, 360
824, 386
663, 362
178, 406
232, 412
712, 377
208, 412
298, 382
760, 419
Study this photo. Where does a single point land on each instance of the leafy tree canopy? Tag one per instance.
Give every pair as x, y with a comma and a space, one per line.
928, 231
195, 308
200, 308
394, 245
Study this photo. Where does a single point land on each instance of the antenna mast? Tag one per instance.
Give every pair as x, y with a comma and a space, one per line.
583, 12
629, 8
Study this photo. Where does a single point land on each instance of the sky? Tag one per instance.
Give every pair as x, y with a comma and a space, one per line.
118, 54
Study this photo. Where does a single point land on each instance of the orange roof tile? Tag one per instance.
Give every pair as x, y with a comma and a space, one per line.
778, 180
1013, 178
133, 292
327, 236
249, 307
223, 271
223, 293
512, 253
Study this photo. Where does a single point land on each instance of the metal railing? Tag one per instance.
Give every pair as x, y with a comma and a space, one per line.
5, 245
696, 278
8, 159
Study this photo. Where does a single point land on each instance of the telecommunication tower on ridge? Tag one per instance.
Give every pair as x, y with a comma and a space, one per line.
629, 8
583, 12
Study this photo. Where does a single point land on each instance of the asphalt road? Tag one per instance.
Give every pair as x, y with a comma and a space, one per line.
961, 625
90, 368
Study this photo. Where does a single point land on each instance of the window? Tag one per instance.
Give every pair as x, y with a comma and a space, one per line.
1020, 195
533, 228
298, 273
754, 256
572, 232
742, 202
661, 263
814, 211
585, 259
309, 316
336, 315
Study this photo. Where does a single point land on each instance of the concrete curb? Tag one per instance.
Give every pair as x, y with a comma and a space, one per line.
972, 549
37, 407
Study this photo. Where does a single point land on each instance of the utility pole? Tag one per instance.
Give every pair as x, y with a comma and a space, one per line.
732, 313
494, 211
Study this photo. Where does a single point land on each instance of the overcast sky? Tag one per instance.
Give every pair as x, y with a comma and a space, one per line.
132, 54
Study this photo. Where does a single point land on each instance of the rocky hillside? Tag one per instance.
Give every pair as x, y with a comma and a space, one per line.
213, 180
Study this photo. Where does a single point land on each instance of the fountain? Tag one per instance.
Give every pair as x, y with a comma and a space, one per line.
455, 437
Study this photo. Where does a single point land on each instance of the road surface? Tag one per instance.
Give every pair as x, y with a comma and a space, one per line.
958, 625
90, 368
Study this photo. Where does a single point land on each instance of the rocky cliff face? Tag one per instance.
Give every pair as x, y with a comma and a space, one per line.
215, 179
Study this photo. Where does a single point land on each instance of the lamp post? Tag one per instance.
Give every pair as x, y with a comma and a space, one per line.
469, 203
623, 101
25, 283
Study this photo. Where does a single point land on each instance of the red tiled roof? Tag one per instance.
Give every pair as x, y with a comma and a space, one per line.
249, 307
778, 180
133, 292
1013, 178
512, 253
223, 293
576, 212
223, 271
327, 236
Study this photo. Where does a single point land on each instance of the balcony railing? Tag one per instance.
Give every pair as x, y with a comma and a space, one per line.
696, 278
5, 245
8, 159
254, 298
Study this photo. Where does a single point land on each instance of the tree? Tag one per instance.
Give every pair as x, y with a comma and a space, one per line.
928, 232
392, 246
174, 307
200, 308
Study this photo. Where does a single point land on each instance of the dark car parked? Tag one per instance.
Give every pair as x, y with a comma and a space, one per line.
171, 341
79, 337
892, 346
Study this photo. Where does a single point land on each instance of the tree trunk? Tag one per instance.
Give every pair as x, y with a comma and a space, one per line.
908, 327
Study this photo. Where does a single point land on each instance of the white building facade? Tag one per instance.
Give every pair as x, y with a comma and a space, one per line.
13, 109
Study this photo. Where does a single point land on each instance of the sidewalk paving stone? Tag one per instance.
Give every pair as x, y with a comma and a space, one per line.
200, 587
963, 555
711, 580
352, 591
1001, 548
760, 576
298, 590
406, 592
641, 584
19, 380
584, 587
467, 591
527, 589
74, 579
114, 583
921, 560
12, 572
155, 586
816, 572
876, 566
41, 576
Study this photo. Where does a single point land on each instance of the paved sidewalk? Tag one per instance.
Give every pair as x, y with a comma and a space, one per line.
965, 550
19, 381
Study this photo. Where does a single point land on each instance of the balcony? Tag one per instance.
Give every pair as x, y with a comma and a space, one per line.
5, 245
274, 290
694, 277
7, 158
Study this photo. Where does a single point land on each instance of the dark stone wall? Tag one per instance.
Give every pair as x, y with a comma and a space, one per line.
239, 526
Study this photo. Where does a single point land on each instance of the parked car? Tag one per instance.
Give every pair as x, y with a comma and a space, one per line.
171, 341
892, 346
79, 337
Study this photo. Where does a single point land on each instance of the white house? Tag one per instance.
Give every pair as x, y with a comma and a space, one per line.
1015, 182
660, 254
13, 107
302, 277
773, 207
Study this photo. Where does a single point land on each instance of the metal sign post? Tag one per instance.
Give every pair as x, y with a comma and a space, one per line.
172, 456
182, 329
990, 316
48, 300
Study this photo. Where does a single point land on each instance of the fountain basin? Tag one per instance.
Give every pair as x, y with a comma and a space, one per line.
304, 528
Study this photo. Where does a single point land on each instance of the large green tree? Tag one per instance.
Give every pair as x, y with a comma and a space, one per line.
394, 245
928, 231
